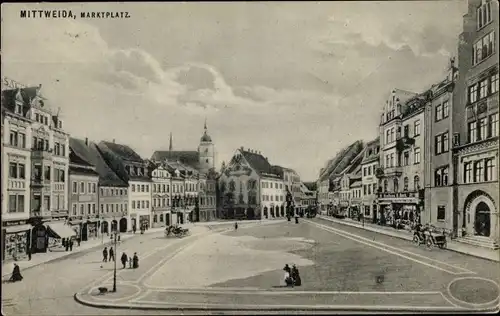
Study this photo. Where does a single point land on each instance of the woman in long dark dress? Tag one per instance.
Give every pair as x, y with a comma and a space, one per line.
135, 261
16, 274
296, 276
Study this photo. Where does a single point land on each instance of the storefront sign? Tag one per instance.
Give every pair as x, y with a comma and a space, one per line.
12, 84
13, 223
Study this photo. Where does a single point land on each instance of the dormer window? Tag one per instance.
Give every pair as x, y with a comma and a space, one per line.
18, 109
127, 168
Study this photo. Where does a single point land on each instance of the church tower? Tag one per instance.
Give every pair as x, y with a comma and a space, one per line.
206, 151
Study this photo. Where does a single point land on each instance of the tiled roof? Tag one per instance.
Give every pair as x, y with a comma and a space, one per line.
123, 151
257, 162
188, 157
9, 98
107, 177
311, 185
79, 152
336, 165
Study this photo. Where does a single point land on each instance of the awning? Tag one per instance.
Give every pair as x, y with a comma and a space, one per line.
17, 229
60, 230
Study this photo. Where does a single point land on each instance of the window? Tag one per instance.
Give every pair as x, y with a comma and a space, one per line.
75, 187
478, 171
491, 172
483, 48
22, 140
406, 131
472, 132
446, 109
82, 209
14, 138
386, 185
439, 112
89, 187
94, 188
494, 84
468, 172
441, 176
439, 144
16, 203
133, 187
47, 173
416, 156
405, 183
406, 158
494, 125
441, 213
89, 206
396, 185
13, 170
133, 204
473, 93
416, 182
483, 125
483, 88
416, 128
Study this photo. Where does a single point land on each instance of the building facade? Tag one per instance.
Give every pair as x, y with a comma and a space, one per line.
161, 198
369, 181
402, 153
208, 197
475, 126
130, 167
83, 192
438, 166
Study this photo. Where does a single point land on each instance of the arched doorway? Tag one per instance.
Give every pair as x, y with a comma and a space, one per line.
482, 220
282, 211
272, 211
123, 225
114, 225
265, 212
104, 227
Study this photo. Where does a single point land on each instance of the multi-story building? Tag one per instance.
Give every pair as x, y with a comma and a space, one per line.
130, 167
369, 181
16, 171
207, 196
355, 193
308, 198
323, 200
475, 126
438, 166
291, 180
249, 189
38, 151
161, 197
112, 207
402, 142
83, 191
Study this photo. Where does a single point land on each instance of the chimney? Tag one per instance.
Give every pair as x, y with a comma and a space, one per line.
86, 141
242, 149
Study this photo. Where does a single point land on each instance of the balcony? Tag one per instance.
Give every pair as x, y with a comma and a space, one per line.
41, 154
393, 171
39, 182
59, 186
404, 143
17, 184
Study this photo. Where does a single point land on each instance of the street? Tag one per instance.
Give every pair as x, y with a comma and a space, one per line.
342, 268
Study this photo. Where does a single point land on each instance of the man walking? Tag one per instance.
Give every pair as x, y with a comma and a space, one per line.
111, 254
105, 254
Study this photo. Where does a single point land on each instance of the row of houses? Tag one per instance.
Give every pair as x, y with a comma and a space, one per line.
250, 187
435, 157
55, 186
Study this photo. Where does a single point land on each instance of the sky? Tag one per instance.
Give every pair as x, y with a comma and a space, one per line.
297, 81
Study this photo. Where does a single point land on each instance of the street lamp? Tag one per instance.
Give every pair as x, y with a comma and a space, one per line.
114, 258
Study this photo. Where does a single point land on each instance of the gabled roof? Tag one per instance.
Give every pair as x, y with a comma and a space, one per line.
257, 162
311, 185
124, 152
79, 152
9, 98
107, 177
190, 157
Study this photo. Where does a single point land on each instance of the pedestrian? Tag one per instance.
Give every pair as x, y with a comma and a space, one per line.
135, 261
119, 237
124, 259
130, 262
111, 254
16, 274
28, 251
296, 276
134, 228
105, 254
236, 226
71, 245
79, 240
66, 244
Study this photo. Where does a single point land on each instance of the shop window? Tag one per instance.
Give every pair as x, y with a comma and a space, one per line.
441, 213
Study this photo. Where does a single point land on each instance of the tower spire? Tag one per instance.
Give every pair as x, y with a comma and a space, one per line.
170, 146
205, 127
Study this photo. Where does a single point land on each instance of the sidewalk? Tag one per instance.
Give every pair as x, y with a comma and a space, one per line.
493, 255
41, 258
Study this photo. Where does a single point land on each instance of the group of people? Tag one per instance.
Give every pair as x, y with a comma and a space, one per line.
292, 276
132, 261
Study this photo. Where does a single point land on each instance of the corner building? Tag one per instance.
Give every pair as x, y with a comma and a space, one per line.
476, 127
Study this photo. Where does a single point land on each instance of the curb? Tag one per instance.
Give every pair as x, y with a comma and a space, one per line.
409, 238
277, 308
